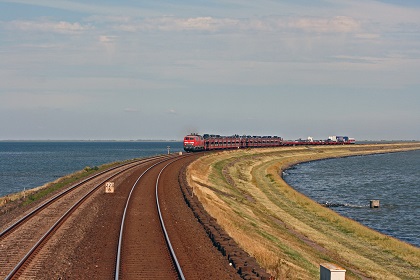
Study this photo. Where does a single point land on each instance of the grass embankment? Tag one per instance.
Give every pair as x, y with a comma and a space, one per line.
288, 233
26, 197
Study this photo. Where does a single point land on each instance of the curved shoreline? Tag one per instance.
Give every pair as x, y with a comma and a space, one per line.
301, 252
334, 194
296, 223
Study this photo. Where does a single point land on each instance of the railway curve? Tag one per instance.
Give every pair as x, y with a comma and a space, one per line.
85, 246
23, 238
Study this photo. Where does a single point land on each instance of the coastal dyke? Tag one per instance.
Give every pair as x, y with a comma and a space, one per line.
288, 233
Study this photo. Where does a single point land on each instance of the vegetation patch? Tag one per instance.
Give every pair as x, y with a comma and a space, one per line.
288, 233
27, 197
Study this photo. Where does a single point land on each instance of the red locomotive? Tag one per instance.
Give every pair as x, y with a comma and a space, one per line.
207, 142
193, 143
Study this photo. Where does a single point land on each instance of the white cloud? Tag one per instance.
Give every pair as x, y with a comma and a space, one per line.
203, 23
48, 26
338, 24
169, 23
368, 36
107, 39
335, 24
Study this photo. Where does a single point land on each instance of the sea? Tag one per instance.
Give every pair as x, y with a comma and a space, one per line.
347, 185
28, 164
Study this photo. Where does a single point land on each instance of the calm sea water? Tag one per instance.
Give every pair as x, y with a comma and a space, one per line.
26, 165
348, 184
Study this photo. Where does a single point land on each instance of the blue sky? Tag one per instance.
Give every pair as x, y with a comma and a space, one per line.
128, 70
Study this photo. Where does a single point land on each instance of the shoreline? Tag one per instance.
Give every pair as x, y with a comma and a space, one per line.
35, 163
332, 205
293, 218
299, 247
22, 194
12, 201
18, 195
367, 152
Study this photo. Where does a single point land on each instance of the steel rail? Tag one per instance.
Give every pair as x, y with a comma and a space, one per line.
120, 239
168, 242
61, 194
119, 248
67, 214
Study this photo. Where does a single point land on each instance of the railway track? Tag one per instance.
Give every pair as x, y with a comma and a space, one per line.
145, 250
24, 238
116, 236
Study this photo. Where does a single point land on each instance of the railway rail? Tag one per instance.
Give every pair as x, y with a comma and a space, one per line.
119, 235
21, 240
147, 252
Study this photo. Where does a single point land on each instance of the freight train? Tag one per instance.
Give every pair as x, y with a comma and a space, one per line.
194, 142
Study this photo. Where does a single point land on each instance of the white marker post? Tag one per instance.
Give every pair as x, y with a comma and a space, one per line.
109, 187
330, 271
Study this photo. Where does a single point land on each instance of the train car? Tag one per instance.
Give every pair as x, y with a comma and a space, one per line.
209, 142
217, 142
193, 143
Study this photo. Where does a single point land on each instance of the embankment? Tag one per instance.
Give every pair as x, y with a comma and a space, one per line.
288, 233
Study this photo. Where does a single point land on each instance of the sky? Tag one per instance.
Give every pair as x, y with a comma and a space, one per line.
158, 70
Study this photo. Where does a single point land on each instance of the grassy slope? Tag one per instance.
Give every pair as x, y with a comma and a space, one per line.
23, 198
288, 233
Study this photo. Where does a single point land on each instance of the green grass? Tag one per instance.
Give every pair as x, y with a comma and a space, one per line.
35, 195
287, 232
65, 181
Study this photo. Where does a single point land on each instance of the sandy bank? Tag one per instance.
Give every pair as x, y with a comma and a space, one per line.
288, 233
